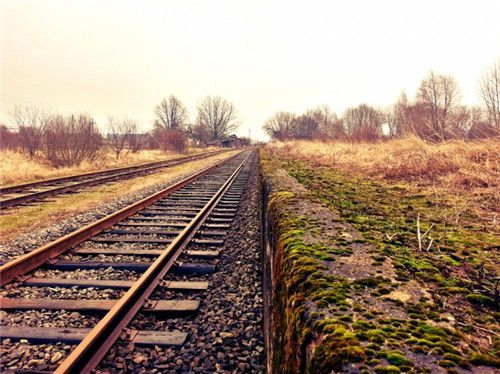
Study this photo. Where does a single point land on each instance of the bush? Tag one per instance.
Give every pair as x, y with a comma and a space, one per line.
8, 139
71, 140
171, 140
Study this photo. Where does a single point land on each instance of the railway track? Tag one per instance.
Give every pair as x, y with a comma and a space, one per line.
19, 194
131, 264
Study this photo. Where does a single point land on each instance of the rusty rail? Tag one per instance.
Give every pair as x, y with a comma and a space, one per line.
7, 203
96, 344
75, 177
23, 264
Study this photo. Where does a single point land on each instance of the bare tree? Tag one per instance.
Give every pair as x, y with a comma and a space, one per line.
31, 123
171, 114
397, 117
441, 97
390, 120
280, 125
306, 126
490, 92
137, 142
329, 125
363, 123
119, 133
218, 116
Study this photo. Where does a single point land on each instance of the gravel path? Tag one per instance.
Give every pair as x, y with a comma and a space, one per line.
226, 334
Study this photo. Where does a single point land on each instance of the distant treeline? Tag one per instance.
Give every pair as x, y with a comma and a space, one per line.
72, 139
436, 114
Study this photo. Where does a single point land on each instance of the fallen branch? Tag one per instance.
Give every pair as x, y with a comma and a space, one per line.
421, 236
390, 237
478, 327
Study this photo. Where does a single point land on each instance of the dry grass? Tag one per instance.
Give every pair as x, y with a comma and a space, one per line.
16, 167
457, 167
31, 218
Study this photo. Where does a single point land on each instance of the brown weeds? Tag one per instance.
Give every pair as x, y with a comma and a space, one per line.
459, 167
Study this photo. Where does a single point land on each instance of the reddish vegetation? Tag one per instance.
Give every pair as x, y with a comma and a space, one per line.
171, 140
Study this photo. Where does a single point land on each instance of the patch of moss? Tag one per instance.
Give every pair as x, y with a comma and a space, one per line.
479, 299
446, 363
397, 359
387, 369
377, 336
485, 360
334, 352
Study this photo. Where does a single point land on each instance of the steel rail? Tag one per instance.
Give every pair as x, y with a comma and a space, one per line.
7, 203
69, 178
21, 265
101, 338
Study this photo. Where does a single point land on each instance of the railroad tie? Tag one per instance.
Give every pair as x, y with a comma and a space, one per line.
111, 284
170, 307
41, 335
182, 268
122, 239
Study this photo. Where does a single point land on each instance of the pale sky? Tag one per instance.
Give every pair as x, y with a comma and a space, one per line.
120, 58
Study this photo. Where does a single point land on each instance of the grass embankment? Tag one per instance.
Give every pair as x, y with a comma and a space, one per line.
355, 289
30, 218
16, 167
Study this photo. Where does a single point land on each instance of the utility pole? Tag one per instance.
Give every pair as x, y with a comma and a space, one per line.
249, 137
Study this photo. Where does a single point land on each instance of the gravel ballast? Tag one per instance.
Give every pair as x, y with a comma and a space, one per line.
226, 334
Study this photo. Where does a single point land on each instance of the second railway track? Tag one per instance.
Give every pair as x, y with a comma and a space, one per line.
100, 277
12, 196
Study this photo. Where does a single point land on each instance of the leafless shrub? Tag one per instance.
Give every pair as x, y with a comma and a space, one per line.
71, 140
31, 123
138, 142
8, 139
119, 134
363, 123
280, 125
171, 140
329, 125
305, 127
317, 123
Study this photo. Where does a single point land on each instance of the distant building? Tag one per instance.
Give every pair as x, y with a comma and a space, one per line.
231, 141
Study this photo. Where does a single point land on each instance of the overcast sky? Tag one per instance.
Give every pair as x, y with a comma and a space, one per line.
120, 58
